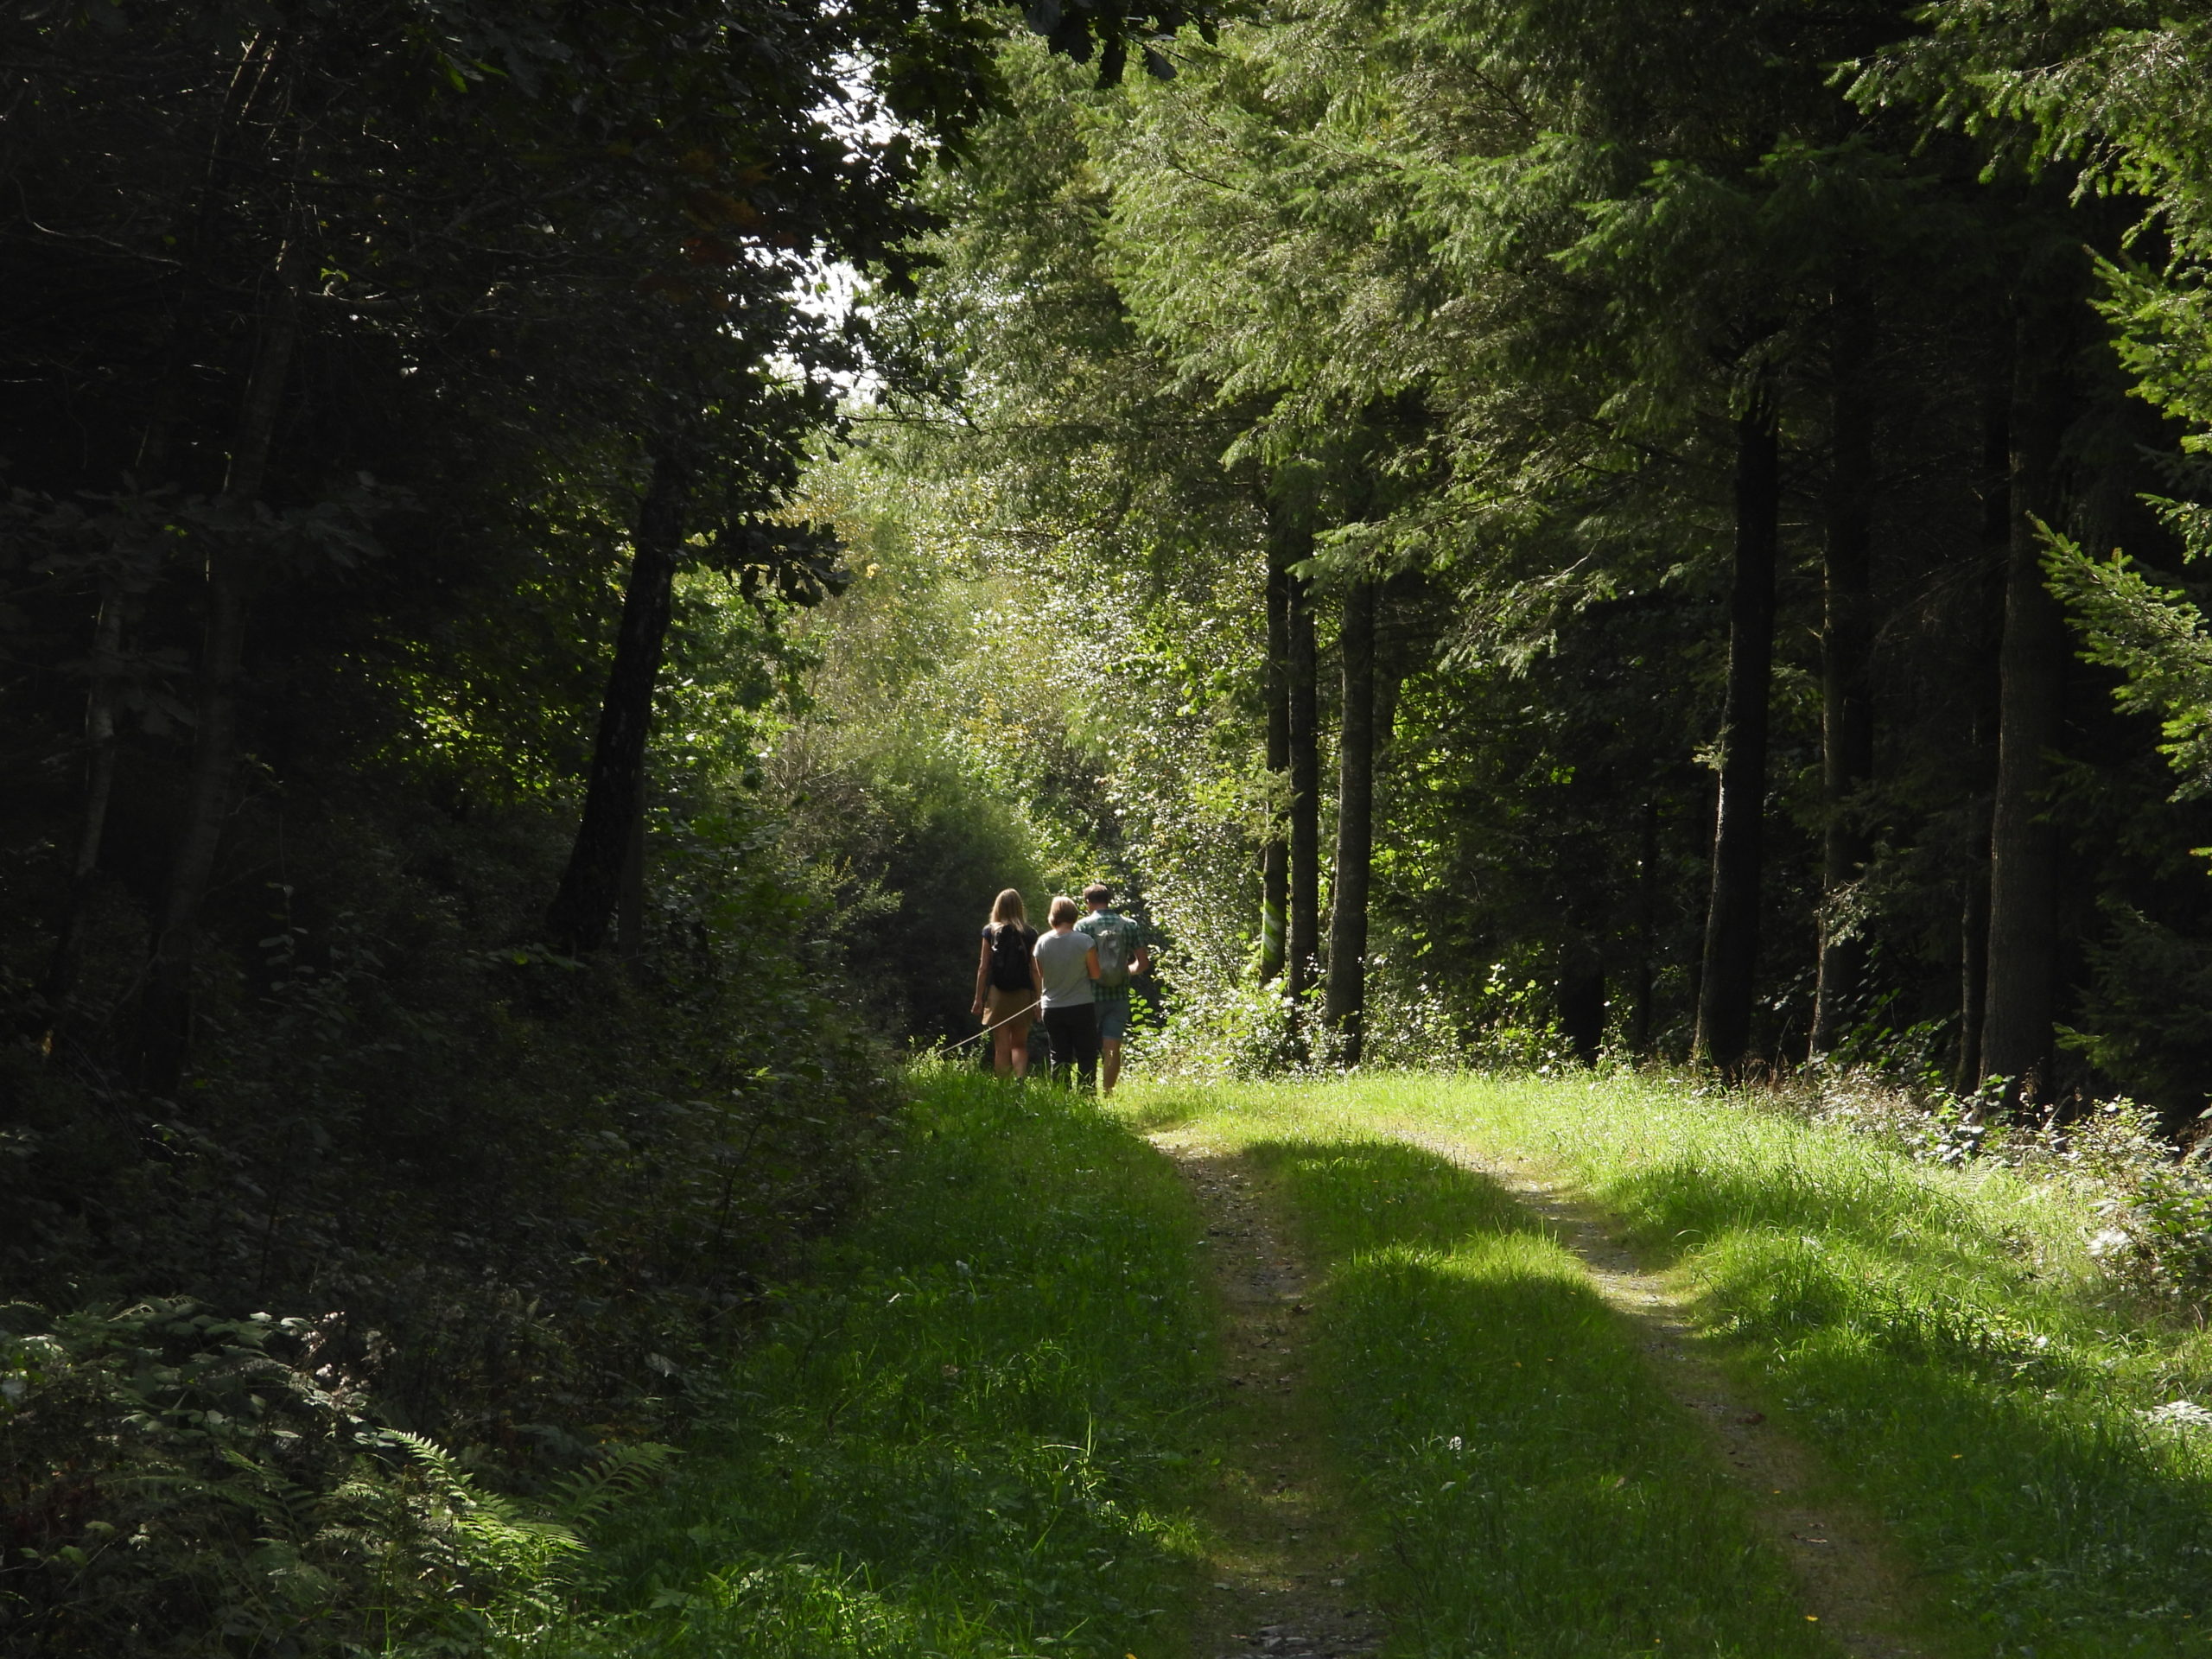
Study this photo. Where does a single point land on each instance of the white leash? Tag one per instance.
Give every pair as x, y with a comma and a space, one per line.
989, 1029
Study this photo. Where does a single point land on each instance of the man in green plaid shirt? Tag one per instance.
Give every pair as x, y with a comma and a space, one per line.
1120, 943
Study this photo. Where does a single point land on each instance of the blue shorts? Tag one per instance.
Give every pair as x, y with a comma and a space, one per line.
1113, 1006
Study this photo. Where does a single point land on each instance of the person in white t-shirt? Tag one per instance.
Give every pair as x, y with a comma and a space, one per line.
1067, 965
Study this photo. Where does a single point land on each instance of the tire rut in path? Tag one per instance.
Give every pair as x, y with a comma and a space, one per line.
1846, 1566
1284, 1559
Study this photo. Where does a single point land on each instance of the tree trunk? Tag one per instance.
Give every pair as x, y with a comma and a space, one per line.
165, 1014
1647, 930
630, 929
1344, 1007
1731, 925
2016, 1034
1847, 652
1274, 850
99, 788
1580, 998
1986, 613
197, 240
1974, 955
1304, 942
584, 907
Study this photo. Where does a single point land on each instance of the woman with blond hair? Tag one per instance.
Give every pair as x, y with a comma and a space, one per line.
1007, 981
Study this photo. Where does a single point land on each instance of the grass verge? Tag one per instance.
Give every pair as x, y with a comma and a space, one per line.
970, 1436
1940, 1335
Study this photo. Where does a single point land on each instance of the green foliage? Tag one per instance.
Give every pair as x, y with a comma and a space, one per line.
506, 1200
1486, 297
894, 763
2154, 635
2165, 1228
216, 1480
2143, 1028
970, 1434
1221, 1030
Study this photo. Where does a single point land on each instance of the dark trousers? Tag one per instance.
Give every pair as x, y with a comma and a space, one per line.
1074, 1033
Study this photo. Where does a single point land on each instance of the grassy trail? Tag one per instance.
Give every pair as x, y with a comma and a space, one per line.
1284, 1545
1530, 1487
976, 1434
1937, 1339
1587, 1372
1845, 1563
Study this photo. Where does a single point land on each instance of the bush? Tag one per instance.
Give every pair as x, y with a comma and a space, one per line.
424, 1188
913, 849
180, 1481
2154, 1199
1217, 1029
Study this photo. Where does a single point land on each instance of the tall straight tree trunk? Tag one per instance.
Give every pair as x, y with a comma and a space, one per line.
1847, 652
1344, 1007
1726, 983
99, 788
197, 240
583, 907
630, 925
1304, 942
165, 1013
1274, 851
1973, 954
1647, 928
1981, 652
1580, 1000
2016, 1033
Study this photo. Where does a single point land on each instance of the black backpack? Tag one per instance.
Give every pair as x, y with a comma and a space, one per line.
1010, 946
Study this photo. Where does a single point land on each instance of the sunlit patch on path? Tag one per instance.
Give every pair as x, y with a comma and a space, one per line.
1849, 1571
1284, 1570
1618, 1488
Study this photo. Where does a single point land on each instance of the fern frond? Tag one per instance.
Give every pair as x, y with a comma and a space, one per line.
587, 1497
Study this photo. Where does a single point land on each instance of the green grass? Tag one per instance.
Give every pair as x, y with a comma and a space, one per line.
1939, 1335
971, 1435
1542, 1497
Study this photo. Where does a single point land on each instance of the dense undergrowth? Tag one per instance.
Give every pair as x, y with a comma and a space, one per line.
973, 1432
2031, 1424
309, 1356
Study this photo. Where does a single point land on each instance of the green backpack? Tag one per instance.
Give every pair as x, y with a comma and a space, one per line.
1111, 939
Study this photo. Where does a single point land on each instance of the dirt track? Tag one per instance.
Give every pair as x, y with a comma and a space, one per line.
1284, 1564
1849, 1573
1285, 1567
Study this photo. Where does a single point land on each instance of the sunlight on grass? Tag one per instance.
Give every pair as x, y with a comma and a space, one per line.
1939, 1334
1542, 1496
971, 1437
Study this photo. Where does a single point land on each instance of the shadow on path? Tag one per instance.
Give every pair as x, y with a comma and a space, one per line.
1539, 1434
1847, 1567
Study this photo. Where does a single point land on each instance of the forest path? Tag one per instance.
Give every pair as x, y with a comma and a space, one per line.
1285, 1543
1282, 1552
1846, 1567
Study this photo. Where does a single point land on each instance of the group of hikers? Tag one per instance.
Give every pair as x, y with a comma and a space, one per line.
1076, 975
